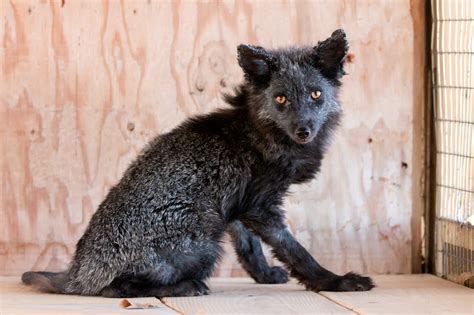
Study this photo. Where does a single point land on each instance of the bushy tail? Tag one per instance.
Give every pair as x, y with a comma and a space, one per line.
50, 282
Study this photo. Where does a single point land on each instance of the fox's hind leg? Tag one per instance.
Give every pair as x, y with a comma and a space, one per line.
183, 277
176, 273
249, 253
139, 288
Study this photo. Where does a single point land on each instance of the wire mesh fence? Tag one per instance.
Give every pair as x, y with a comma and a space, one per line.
453, 94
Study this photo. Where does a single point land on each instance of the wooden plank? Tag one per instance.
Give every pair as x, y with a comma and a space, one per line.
16, 298
244, 296
408, 294
419, 140
394, 294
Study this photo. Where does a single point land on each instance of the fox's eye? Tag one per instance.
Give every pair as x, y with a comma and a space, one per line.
281, 99
315, 95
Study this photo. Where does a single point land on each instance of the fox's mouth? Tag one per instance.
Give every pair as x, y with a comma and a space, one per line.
303, 141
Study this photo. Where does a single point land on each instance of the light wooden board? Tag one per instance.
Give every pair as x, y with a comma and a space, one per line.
408, 294
228, 296
16, 299
85, 84
395, 294
244, 296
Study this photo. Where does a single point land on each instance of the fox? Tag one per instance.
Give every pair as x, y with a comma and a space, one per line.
159, 230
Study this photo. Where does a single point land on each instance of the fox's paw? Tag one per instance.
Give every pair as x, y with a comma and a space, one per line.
350, 282
274, 275
191, 288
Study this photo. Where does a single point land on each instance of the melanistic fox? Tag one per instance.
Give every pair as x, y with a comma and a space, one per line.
158, 231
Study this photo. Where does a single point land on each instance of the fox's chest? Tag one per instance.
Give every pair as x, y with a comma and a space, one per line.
277, 177
294, 170
305, 170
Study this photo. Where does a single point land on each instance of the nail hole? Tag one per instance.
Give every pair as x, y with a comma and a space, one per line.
404, 165
370, 140
199, 86
130, 126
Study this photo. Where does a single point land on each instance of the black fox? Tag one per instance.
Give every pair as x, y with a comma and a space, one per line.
158, 231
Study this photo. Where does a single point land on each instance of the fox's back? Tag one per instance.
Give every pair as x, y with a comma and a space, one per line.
197, 170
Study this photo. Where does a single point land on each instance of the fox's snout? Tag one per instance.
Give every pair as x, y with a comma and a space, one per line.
303, 133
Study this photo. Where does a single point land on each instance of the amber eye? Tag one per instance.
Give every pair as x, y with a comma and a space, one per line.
315, 95
280, 99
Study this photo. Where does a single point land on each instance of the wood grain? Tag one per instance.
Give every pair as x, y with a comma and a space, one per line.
394, 294
243, 296
408, 294
16, 299
85, 84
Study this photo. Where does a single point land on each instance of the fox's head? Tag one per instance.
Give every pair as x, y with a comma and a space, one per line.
296, 89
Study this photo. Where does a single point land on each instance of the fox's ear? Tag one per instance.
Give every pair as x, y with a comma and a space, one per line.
256, 62
330, 54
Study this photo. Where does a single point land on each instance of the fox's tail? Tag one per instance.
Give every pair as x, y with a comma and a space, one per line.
51, 282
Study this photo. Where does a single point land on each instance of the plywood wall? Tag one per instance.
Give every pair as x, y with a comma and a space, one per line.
85, 84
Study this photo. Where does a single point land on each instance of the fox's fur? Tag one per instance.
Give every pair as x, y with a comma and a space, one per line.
158, 231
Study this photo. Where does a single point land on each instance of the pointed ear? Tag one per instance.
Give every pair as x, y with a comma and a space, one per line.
256, 62
330, 54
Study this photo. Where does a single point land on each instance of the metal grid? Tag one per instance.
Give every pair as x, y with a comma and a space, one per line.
453, 96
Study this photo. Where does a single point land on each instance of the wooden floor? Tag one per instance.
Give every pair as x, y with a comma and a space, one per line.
401, 294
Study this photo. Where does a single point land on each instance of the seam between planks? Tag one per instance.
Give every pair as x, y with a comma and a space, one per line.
340, 304
165, 303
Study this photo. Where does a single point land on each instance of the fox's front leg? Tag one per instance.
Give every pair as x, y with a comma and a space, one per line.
270, 227
249, 252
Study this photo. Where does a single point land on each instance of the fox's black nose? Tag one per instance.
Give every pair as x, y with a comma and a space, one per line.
303, 133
